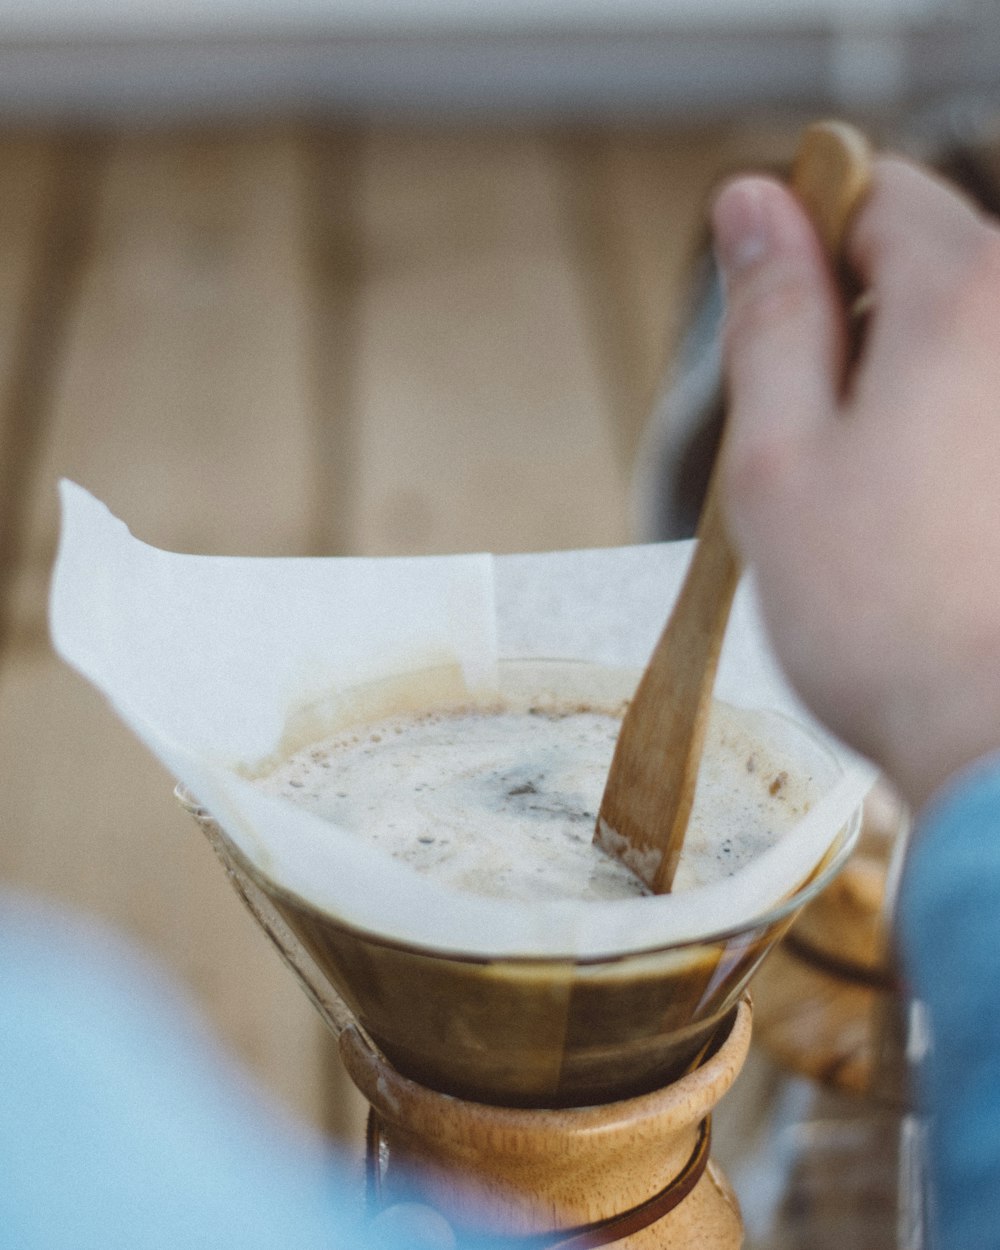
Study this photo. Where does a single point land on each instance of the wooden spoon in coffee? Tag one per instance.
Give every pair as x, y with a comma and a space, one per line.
650, 788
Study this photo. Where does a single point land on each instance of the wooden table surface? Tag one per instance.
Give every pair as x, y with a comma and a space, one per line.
300, 340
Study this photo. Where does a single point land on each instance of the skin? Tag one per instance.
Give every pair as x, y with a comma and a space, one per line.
869, 504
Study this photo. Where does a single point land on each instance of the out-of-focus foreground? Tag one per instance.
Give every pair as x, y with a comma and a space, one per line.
308, 338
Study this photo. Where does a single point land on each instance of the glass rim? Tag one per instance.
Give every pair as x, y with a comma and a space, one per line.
847, 836
840, 848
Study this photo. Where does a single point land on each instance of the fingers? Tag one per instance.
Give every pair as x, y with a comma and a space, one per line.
913, 224
784, 339
927, 256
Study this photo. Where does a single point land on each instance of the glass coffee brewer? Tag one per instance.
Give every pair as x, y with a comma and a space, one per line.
538, 1072
835, 1036
553, 1097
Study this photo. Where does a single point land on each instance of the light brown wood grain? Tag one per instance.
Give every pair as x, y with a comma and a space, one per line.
481, 421
29, 163
831, 174
635, 202
43, 227
181, 397
334, 260
535, 1172
650, 788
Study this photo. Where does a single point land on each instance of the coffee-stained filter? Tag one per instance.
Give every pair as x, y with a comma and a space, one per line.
223, 666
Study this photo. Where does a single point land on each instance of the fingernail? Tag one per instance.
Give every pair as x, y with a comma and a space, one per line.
741, 227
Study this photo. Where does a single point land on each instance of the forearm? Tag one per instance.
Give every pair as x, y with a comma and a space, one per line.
948, 923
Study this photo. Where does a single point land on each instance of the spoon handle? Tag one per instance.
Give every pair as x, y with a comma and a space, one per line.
831, 175
650, 788
651, 783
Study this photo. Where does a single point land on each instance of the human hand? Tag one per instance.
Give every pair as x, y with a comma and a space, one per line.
871, 511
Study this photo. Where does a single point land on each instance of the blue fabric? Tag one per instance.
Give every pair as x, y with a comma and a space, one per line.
948, 924
123, 1126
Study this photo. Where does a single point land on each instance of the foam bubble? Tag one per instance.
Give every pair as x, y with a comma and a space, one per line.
502, 802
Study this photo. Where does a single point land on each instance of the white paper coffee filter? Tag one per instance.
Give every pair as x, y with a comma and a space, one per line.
209, 659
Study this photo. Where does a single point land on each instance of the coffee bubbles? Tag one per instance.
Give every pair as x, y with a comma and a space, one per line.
501, 801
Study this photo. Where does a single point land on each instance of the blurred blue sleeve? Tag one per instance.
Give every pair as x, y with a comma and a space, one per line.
124, 1127
948, 924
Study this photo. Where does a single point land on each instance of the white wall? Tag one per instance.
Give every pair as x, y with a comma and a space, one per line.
591, 60
68, 18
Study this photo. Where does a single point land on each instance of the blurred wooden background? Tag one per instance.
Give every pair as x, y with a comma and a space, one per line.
304, 340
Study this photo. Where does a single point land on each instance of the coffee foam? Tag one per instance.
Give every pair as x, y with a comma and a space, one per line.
333, 871
502, 801
220, 664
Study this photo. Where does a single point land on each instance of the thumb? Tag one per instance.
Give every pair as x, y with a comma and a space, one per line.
784, 336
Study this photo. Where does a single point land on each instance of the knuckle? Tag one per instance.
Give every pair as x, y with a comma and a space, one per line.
759, 466
919, 238
964, 290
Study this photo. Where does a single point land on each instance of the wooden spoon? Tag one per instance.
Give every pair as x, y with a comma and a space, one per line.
650, 788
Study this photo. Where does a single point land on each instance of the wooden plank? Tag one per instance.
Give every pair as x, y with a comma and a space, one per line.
183, 398
333, 255
28, 161
335, 263
480, 419
636, 202
42, 226
88, 820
